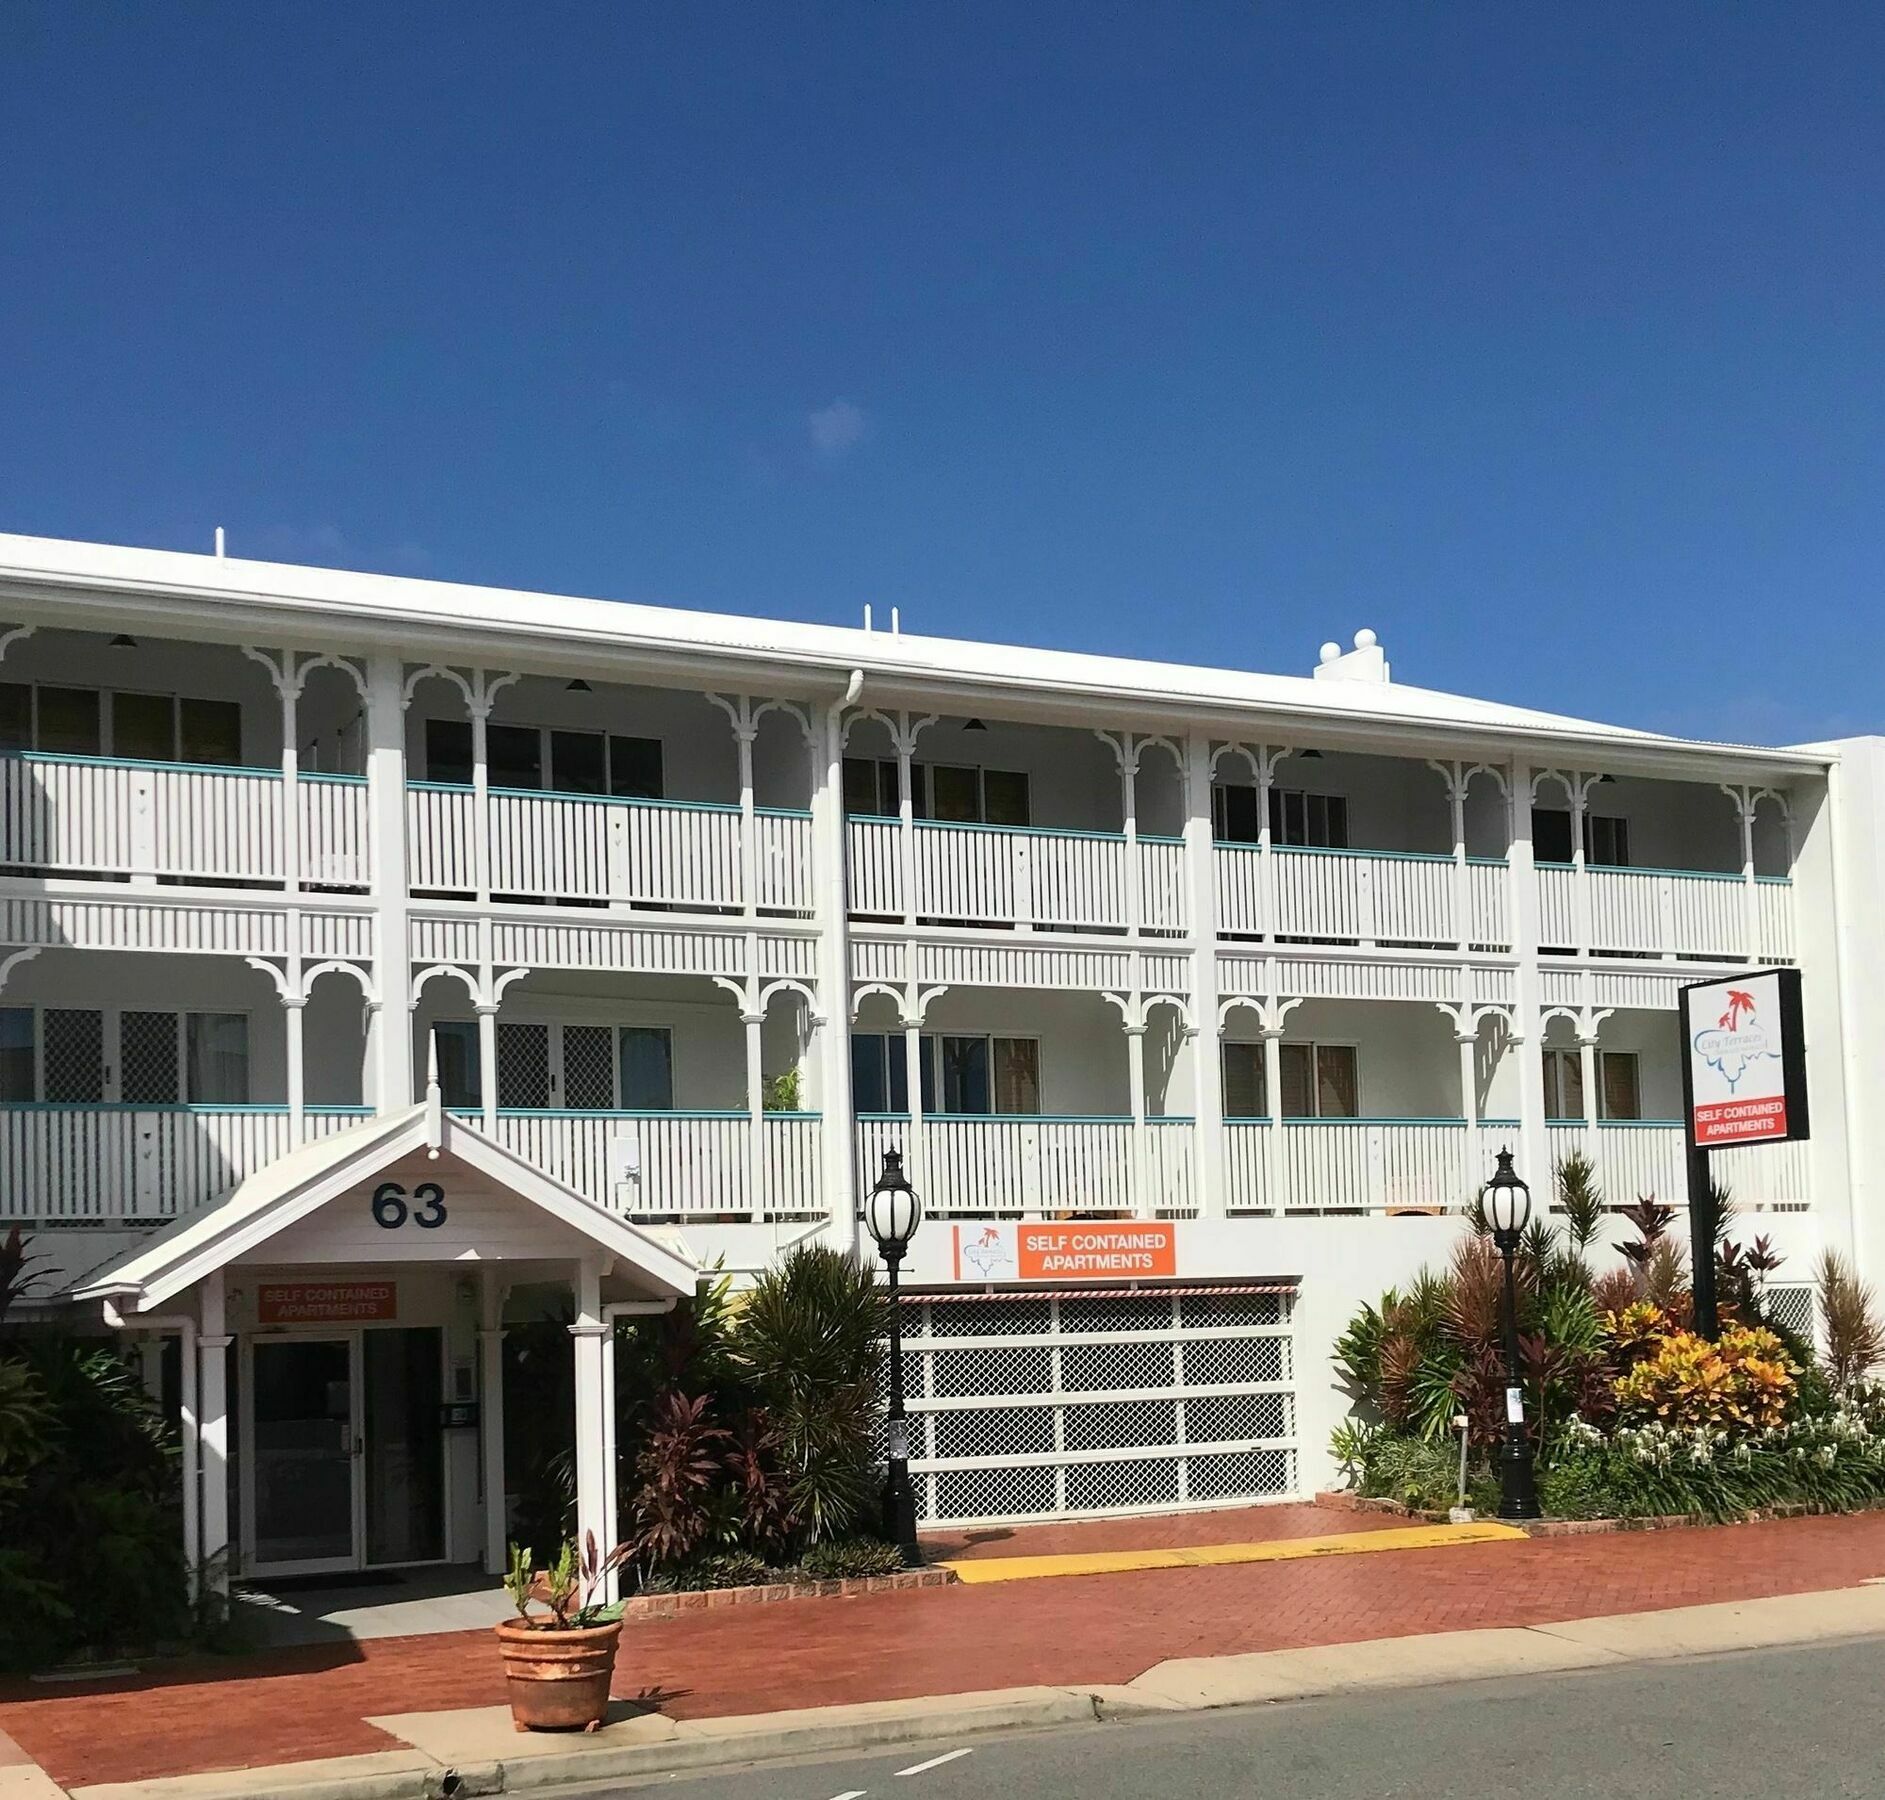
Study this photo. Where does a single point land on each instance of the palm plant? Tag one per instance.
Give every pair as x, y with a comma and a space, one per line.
811, 1338
1855, 1339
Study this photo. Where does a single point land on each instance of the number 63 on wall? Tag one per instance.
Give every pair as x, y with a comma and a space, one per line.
390, 1210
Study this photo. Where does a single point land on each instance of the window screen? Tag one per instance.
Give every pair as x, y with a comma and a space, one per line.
209, 731
16, 716
147, 1059
144, 726
1551, 834
515, 756
588, 1068
579, 762
69, 721
1564, 1084
523, 1065
1234, 816
878, 1083
1311, 821
75, 1055
1005, 797
1017, 1077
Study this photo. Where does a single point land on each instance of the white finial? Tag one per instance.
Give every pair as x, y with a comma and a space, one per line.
867, 615
219, 540
434, 1100
1365, 639
1330, 651
432, 1062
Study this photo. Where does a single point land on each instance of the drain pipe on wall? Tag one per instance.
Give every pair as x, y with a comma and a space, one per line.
185, 1328
841, 1202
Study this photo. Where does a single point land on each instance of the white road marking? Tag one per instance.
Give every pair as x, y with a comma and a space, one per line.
936, 1762
850, 1794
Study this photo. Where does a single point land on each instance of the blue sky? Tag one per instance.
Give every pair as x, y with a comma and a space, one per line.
1547, 342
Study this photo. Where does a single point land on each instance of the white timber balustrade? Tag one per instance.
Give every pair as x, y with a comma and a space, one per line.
623, 852
1640, 1159
1029, 877
674, 1165
1038, 1167
72, 1163
1348, 1165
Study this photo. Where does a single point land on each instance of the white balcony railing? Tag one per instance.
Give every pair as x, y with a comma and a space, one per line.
1640, 1158
621, 852
1665, 913
1361, 896
1345, 1166
695, 1165
75, 816
66, 1164
1037, 1167
1010, 875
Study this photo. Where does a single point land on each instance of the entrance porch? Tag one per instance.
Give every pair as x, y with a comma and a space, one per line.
340, 1317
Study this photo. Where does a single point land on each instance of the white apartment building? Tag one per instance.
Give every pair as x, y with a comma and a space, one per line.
384, 961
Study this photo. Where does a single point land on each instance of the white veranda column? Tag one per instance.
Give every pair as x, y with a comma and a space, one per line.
1273, 1171
1140, 1190
491, 1418
594, 1430
754, 1022
487, 1064
212, 1345
294, 1007
386, 804
915, 1165
1468, 1042
1593, 1099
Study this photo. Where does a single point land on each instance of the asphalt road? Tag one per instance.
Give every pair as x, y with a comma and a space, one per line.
1808, 1724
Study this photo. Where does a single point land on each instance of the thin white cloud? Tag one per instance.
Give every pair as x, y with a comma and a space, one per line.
836, 428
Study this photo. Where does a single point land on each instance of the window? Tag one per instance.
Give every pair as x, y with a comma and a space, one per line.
460, 1078
216, 1058
1564, 1084
1243, 1081
589, 1068
1234, 817
579, 762
879, 1082
140, 727
1606, 840
974, 1077
523, 1065
148, 1072
74, 1055
870, 788
647, 1063
1315, 821
944, 791
1320, 1081
1619, 1090
16, 1053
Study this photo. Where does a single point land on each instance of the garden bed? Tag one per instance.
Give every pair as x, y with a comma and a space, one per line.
667, 1606
1344, 1500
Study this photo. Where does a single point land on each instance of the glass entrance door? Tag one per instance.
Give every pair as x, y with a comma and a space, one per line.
302, 1443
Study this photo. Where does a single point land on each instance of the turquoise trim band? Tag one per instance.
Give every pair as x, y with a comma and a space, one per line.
1425, 856
1045, 831
1371, 1121
572, 1112
128, 762
330, 780
769, 812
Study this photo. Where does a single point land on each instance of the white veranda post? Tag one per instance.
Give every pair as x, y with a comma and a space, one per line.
595, 1431
491, 1416
212, 1344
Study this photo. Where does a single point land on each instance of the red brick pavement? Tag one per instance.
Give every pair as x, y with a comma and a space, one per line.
306, 1703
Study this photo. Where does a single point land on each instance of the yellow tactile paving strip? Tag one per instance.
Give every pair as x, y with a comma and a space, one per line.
1204, 1556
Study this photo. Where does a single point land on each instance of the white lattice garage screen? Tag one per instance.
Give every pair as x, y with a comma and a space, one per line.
1047, 1406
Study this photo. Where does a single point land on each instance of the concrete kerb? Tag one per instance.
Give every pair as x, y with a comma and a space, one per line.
476, 1753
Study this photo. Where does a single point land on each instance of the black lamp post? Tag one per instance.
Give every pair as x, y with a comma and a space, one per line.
1507, 1202
892, 1213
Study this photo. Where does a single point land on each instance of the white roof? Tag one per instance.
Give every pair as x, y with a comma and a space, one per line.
295, 1185
32, 562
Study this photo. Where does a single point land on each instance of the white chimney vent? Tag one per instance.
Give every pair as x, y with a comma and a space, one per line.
1366, 662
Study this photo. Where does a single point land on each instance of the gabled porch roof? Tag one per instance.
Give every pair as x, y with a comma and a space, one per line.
298, 1185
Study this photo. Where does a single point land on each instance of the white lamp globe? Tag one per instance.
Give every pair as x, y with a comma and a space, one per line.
892, 1211
1506, 1198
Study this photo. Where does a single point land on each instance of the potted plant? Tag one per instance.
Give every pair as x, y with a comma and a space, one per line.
558, 1667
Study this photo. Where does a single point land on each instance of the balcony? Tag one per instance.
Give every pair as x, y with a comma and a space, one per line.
1307, 1166
597, 851
1024, 877
1640, 1158
1366, 897
1666, 913
1037, 1167
79, 1165
92, 817
678, 1165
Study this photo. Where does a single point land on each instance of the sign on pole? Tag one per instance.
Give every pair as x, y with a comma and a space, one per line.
1744, 1060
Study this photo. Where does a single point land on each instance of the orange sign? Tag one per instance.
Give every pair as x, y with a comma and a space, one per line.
326, 1302
1058, 1252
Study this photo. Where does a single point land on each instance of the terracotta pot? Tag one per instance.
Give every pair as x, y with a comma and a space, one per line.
558, 1680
